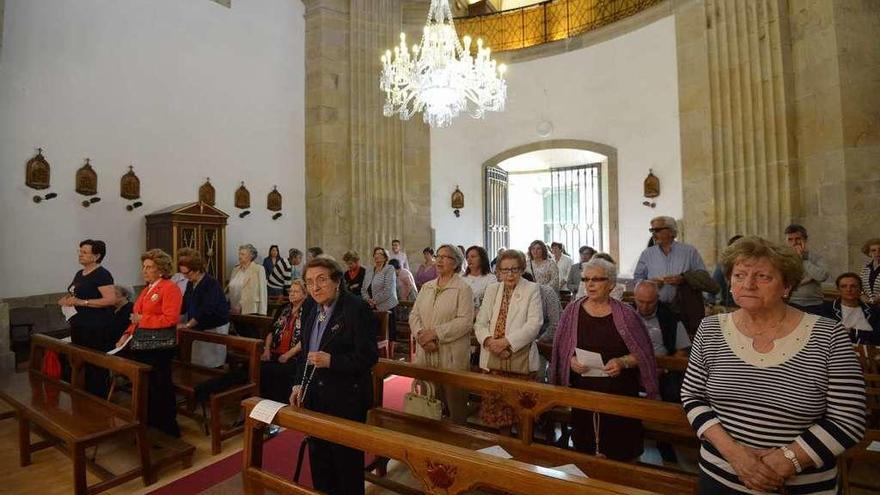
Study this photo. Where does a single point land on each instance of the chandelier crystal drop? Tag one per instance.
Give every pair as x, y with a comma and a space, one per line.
439, 77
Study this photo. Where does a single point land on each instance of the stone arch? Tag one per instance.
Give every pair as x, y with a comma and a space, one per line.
609, 184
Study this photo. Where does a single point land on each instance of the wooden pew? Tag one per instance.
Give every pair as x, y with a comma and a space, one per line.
383, 338
186, 376
72, 418
404, 333
262, 324
530, 400
439, 466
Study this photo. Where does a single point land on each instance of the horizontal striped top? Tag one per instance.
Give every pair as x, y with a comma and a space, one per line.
809, 389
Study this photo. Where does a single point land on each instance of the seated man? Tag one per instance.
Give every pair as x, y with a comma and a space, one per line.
669, 338
862, 322
807, 296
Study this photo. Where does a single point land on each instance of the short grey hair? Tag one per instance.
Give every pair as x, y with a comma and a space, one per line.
249, 248
456, 253
124, 292
648, 283
609, 268
667, 222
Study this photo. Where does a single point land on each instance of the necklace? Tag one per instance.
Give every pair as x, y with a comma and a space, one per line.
771, 329
322, 315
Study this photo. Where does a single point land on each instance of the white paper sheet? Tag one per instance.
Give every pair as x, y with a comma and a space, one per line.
67, 340
68, 312
265, 410
117, 349
593, 360
497, 451
570, 469
874, 446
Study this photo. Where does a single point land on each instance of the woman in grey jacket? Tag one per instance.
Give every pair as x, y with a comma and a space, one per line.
380, 283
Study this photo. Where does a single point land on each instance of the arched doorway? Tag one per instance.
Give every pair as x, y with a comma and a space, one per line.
558, 190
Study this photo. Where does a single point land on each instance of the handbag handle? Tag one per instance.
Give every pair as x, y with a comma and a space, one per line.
427, 388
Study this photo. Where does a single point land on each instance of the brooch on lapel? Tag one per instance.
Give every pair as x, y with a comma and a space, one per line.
154, 297
335, 327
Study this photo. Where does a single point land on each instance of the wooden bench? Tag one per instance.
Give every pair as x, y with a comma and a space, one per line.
187, 376
261, 324
531, 400
439, 466
68, 416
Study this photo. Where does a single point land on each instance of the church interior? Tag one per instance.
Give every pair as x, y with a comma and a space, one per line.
440, 246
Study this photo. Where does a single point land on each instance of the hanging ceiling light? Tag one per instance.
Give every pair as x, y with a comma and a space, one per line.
439, 77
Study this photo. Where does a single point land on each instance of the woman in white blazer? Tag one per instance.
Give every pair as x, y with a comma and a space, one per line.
247, 286
506, 328
509, 348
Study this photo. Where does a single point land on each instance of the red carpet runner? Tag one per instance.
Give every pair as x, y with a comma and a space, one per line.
279, 453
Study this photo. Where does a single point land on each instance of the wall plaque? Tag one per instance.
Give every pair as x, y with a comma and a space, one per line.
273, 201
87, 180
242, 197
37, 171
206, 192
130, 185
652, 185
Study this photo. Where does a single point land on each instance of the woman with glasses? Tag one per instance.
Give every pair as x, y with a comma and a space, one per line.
204, 307
442, 322
333, 373
603, 325
506, 328
541, 266
283, 344
477, 274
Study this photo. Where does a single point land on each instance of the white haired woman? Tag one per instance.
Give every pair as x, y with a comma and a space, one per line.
442, 322
247, 289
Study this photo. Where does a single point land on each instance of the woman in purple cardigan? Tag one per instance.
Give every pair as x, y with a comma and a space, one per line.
600, 324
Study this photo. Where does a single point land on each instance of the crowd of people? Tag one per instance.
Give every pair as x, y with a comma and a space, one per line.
769, 329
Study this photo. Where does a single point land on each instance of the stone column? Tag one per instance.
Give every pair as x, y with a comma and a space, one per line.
367, 176
738, 154
837, 65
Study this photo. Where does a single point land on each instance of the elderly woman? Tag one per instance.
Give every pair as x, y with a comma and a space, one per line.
122, 309
354, 276
506, 328
247, 287
427, 270
442, 322
406, 284
283, 344
859, 319
380, 282
91, 296
204, 308
871, 272
333, 373
477, 275
776, 395
153, 334
601, 324
541, 266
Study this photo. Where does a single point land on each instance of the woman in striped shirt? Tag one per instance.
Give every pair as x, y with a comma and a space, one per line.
774, 394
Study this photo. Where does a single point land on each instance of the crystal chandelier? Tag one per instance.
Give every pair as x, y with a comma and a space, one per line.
439, 77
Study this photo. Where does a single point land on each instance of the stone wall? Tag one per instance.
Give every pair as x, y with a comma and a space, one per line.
367, 175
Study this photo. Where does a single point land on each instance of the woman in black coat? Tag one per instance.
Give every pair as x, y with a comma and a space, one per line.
334, 372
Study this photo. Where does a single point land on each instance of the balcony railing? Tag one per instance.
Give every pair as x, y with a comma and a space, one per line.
547, 21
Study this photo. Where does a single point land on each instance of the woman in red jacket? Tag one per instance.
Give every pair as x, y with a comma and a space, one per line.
152, 331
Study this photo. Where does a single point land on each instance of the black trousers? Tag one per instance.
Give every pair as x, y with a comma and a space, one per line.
162, 402
708, 486
276, 379
97, 380
336, 469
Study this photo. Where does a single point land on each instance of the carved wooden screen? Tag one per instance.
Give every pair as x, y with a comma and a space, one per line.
496, 212
211, 238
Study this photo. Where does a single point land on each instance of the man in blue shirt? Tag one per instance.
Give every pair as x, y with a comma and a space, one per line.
667, 259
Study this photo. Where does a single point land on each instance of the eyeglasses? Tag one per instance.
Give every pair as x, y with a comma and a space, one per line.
587, 280
509, 271
655, 230
322, 280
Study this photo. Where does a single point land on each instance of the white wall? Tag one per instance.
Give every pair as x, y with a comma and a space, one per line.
622, 93
182, 89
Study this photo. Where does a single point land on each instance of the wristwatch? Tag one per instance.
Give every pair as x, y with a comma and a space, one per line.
791, 456
85, 302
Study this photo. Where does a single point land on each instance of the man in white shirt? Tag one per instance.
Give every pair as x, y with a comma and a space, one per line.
860, 320
563, 262
398, 254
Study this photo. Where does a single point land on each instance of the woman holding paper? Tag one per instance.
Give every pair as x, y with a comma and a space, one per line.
602, 345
